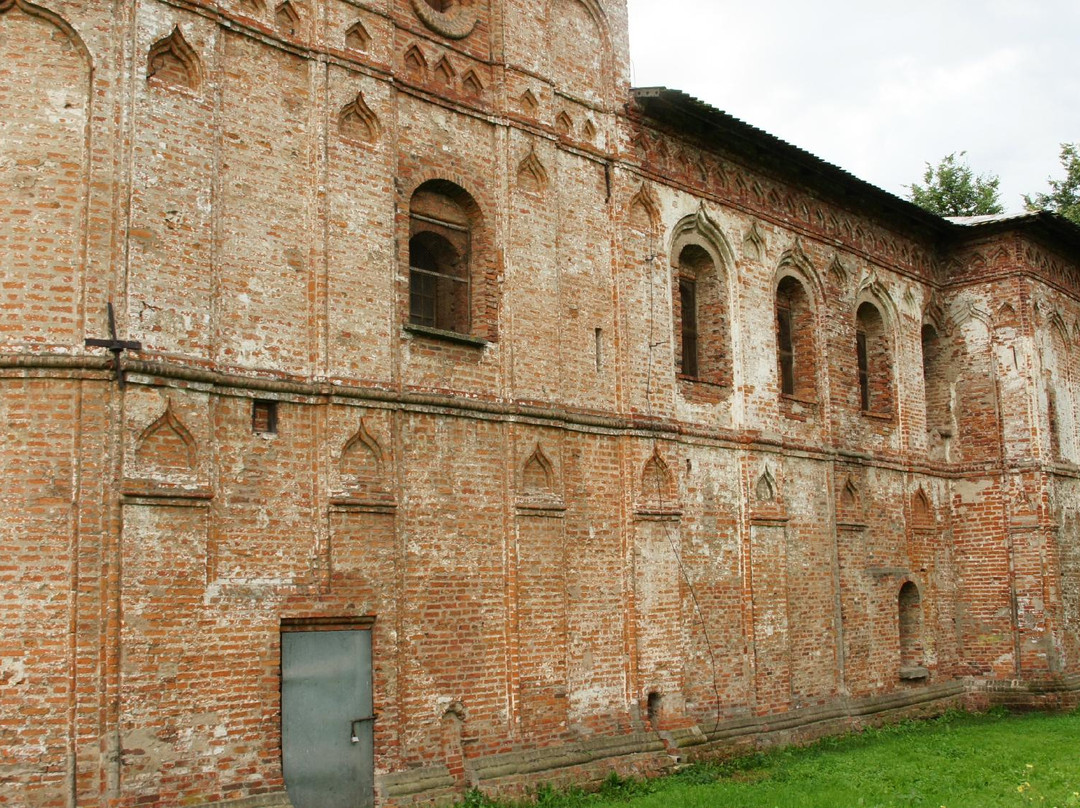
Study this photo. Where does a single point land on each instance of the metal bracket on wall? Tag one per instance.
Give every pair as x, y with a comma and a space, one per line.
115, 345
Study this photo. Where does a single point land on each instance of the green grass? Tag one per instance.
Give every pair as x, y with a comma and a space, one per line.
957, 761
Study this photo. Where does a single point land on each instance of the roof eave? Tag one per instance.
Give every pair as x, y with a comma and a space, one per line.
688, 114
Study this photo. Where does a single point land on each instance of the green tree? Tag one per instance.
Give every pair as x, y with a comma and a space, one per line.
1064, 196
952, 189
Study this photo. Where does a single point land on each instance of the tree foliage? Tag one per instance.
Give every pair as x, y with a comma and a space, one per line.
1064, 196
951, 188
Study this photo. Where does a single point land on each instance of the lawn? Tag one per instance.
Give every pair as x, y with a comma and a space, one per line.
956, 761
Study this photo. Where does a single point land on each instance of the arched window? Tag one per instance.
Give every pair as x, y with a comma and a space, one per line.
1053, 422
700, 317
873, 353
1059, 411
443, 293
909, 609
795, 360
935, 383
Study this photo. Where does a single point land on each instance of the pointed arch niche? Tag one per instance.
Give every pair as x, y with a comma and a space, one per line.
444, 72
416, 65
922, 511
643, 213
166, 446
539, 490
528, 104
532, 177
763, 487
362, 470
357, 122
658, 493
165, 461
173, 62
850, 506
287, 19
357, 37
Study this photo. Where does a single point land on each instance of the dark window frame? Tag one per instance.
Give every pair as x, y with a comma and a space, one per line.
785, 348
430, 287
862, 360
688, 326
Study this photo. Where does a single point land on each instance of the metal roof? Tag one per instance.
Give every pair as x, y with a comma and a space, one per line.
692, 116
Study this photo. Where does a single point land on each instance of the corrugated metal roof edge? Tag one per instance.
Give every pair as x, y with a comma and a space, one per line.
1039, 223
1059, 229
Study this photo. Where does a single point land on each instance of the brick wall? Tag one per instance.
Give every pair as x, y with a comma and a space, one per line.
575, 558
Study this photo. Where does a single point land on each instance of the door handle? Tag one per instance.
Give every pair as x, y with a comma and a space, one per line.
354, 727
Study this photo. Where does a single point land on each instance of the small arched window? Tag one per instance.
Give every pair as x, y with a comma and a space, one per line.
1059, 411
443, 293
795, 360
1053, 419
935, 383
700, 317
909, 608
873, 354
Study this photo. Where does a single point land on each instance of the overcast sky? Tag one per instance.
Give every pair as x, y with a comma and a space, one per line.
881, 88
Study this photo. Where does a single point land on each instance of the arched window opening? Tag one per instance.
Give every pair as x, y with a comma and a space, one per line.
1060, 415
442, 220
688, 335
700, 317
438, 286
909, 607
873, 361
930, 348
935, 384
794, 340
1053, 421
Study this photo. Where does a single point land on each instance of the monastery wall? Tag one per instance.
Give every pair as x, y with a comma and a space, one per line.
583, 534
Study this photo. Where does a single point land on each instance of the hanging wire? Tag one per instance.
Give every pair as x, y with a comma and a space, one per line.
683, 572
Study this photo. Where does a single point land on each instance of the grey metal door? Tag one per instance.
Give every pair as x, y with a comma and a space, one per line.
327, 743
